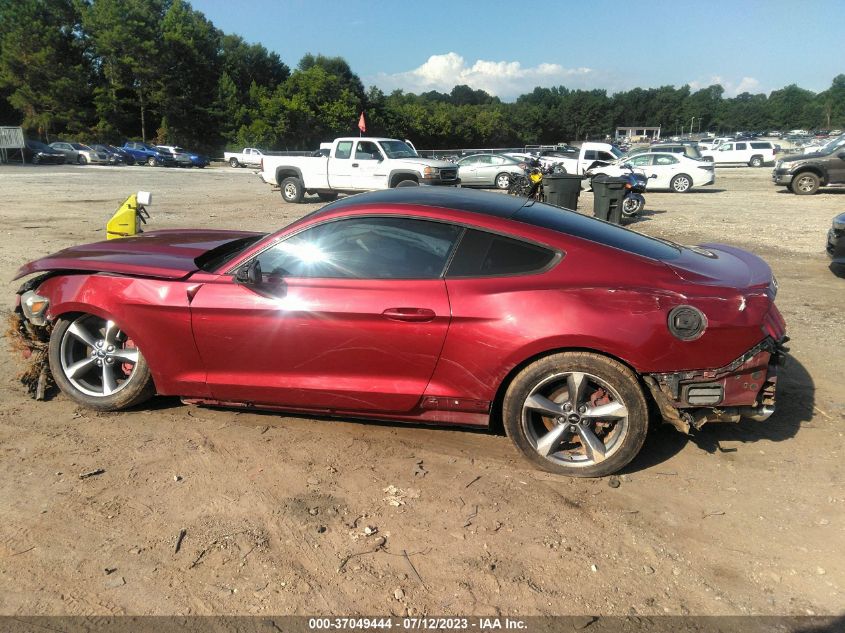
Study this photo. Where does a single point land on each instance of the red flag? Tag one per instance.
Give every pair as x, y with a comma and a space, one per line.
362, 125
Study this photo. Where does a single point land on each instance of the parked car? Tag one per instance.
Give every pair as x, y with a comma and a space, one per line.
751, 153
691, 151
38, 153
114, 157
803, 174
128, 159
422, 304
709, 144
143, 153
199, 160
180, 156
79, 153
489, 170
674, 172
836, 245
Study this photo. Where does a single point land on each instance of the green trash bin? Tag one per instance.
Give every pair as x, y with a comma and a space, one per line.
608, 193
562, 190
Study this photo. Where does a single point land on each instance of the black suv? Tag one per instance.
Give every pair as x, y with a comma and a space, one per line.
803, 174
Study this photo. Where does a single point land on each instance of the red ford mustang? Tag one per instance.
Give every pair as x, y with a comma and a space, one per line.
426, 305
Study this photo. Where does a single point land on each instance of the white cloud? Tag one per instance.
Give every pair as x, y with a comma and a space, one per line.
732, 88
502, 79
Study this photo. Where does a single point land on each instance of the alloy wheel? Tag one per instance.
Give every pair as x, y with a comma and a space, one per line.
575, 419
97, 358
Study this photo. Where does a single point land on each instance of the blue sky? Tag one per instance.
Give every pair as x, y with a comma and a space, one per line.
507, 48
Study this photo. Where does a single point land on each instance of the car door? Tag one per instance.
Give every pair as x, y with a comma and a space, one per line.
665, 167
725, 153
741, 153
368, 171
340, 166
350, 315
471, 170
642, 164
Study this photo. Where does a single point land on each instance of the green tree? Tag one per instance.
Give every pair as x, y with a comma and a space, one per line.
43, 68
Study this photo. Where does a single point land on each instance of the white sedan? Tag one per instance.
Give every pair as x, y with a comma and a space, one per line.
674, 172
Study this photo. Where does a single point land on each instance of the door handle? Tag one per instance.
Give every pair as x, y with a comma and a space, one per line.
418, 315
354, 164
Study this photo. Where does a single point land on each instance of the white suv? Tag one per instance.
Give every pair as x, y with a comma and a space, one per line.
751, 153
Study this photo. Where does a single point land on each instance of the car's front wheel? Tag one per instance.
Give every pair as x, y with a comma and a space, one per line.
805, 184
577, 414
95, 363
151, 161
82, 159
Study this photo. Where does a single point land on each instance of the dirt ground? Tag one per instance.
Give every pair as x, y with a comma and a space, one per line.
737, 519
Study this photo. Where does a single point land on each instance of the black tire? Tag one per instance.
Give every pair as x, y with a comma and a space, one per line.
65, 346
407, 183
681, 183
546, 380
82, 160
631, 206
151, 161
292, 190
502, 181
35, 159
233, 162
327, 197
805, 184
756, 161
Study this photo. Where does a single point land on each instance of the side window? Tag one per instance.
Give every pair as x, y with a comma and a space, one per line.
497, 160
761, 145
726, 147
344, 149
741, 146
482, 254
665, 160
590, 154
364, 248
367, 150
641, 161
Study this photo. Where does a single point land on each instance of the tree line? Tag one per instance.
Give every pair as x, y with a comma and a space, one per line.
159, 70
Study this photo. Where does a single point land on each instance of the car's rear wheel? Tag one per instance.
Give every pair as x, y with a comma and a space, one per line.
577, 414
95, 363
756, 161
233, 162
35, 159
503, 181
805, 184
681, 183
292, 189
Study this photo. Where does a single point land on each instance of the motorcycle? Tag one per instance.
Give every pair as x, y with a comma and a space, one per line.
531, 185
634, 201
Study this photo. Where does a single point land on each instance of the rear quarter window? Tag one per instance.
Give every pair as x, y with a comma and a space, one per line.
483, 254
761, 145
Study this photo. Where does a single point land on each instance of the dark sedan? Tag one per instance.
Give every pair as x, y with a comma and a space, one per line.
117, 156
425, 305
39, 153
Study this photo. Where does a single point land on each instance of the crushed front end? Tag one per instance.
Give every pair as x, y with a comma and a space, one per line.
28, 333
746, 387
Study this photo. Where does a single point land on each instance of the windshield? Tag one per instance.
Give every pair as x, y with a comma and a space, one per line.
397, 149
832, 146
38, 145
80, 146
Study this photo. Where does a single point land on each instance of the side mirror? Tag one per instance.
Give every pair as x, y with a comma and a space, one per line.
250, 274
653, 176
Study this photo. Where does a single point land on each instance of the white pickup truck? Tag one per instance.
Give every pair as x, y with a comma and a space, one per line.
250, 156
353, 165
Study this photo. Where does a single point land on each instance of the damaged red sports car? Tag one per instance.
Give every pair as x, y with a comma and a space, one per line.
424, 305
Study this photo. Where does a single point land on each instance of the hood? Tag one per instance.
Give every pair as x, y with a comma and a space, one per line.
162, 254
721, 265
428, 162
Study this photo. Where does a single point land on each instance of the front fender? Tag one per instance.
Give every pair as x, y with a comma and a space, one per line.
155, 313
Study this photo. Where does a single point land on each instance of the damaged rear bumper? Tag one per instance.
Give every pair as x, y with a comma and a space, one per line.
744, 388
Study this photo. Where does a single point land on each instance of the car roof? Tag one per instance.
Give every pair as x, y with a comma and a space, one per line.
485, 202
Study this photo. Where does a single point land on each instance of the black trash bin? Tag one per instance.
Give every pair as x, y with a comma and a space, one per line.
608, 193
562, 190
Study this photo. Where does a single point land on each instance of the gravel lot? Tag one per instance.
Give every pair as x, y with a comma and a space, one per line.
738, 519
